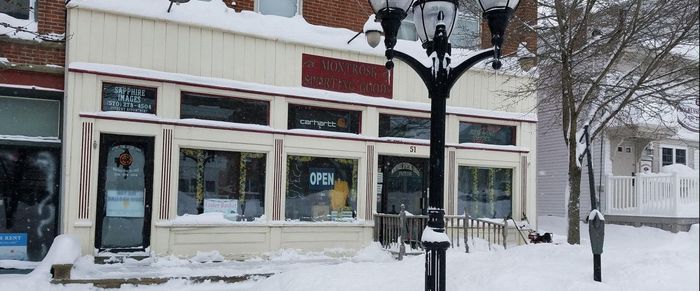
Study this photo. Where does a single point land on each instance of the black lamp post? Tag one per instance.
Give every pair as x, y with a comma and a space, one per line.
434, 21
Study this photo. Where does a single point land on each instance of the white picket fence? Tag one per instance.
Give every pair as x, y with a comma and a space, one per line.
669, 195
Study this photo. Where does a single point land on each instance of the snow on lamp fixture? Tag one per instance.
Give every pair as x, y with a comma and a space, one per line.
497, 13
428, 14
390, 13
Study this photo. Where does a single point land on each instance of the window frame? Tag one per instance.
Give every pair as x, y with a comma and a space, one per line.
674, 154
515, 191
514, 138
400, 114
210, 95
40, 95
329, 155
331, 108
300, 10
469, 16
408, 20
32, 13
238, 150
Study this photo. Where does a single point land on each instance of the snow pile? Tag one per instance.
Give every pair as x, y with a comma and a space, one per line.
202, 219
207, 257
635, 259
64, 250
679, 169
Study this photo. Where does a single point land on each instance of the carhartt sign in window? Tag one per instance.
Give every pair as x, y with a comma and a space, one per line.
307, 117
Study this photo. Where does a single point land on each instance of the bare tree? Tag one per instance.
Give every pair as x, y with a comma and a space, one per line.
612, 62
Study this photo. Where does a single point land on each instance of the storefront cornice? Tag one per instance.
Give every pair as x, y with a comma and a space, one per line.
300, 94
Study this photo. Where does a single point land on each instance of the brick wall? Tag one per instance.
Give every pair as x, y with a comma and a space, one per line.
350, 14
517, 31
51, 18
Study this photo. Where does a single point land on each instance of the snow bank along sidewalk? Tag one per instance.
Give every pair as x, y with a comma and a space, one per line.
634, 259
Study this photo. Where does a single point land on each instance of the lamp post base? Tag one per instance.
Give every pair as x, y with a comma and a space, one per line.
436, 242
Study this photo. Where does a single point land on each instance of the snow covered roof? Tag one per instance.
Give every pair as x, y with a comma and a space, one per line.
216, 14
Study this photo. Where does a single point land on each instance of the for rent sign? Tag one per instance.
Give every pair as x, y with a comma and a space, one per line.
13, 246
345, 76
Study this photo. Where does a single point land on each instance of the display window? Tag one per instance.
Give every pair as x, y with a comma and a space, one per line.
321, 189
217, 108
308, 117
232, 183
29, 182
470, 132
404, 126
485, 192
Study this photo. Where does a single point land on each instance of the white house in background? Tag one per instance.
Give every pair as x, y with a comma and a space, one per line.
209, 129
633, 186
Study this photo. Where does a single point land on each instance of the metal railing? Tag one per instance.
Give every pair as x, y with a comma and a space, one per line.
398, 230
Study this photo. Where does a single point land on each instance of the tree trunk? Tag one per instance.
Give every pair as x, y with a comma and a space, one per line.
574, 236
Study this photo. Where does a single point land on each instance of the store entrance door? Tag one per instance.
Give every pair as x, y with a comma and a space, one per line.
124, 193
403, 181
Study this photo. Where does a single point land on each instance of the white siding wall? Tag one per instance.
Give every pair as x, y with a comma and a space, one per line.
99, 37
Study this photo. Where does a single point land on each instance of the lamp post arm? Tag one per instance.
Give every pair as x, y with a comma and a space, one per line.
423, 72
459, 70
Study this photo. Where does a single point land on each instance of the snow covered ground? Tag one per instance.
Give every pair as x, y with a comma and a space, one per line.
634, 259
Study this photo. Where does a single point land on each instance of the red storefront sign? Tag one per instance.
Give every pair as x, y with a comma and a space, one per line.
345, 76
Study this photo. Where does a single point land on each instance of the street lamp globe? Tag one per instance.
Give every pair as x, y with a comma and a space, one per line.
428, 14
383, 7
497, 13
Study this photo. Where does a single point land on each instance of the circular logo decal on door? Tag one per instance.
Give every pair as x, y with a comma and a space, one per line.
125, 159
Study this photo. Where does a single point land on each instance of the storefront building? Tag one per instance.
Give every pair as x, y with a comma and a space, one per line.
190, 134
31, 103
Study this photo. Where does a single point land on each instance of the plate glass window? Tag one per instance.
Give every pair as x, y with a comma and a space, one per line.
286, 8
321, 189
19, 9
404, 126
485, 192
307, 117
466, 33
29, 117
29, 178
407, 30
236, 110
232, 183
671, 156
470, 132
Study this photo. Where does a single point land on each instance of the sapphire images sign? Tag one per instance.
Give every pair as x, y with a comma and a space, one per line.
127, 98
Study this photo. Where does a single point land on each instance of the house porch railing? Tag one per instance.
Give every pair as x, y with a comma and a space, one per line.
662, 195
